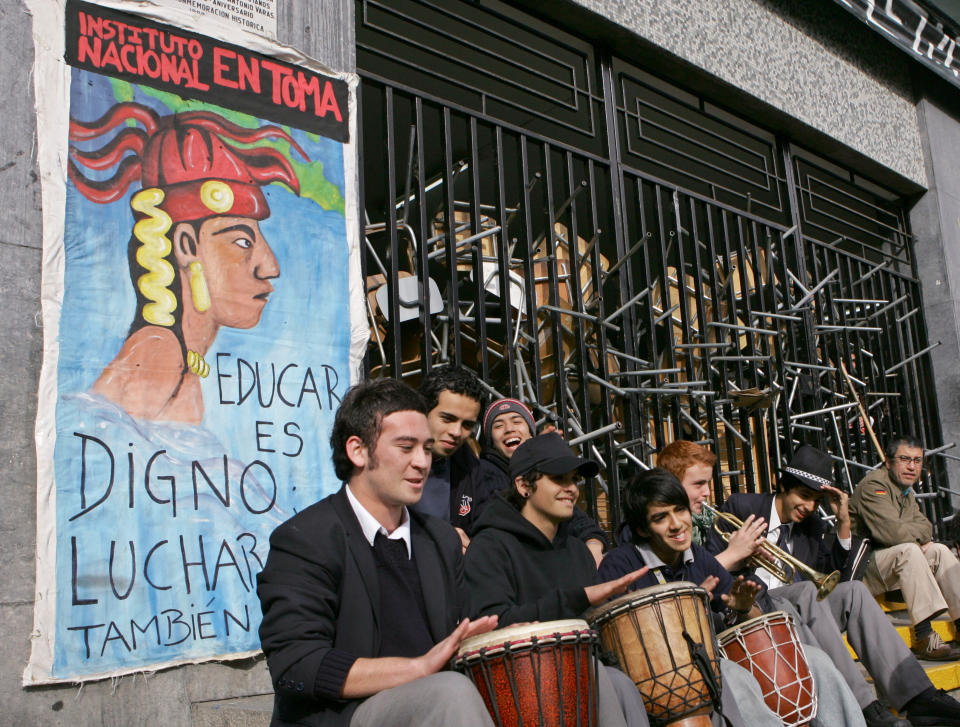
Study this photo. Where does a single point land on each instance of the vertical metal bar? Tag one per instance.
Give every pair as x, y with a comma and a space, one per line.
733, 237
503, 263
449, 197
607, 410
530, 272
362, 89
391, 221
423, 232
798, 260
625, 277
552, 264
476, 218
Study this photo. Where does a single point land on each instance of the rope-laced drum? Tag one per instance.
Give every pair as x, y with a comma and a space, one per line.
770, 649
664, 640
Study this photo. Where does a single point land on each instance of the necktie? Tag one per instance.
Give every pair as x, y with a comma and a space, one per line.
783, 542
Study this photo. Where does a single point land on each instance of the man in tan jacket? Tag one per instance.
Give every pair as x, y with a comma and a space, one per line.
884, 509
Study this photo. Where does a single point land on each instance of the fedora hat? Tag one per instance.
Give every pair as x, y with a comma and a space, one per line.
810, 467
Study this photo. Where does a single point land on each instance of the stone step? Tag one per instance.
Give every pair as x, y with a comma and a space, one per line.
252, 711
944, 675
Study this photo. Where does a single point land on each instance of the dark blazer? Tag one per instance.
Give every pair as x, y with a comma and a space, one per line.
812, 541
320, 599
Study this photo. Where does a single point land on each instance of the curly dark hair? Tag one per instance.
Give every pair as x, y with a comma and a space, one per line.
361, 414
453, 378
653, 486
513, 496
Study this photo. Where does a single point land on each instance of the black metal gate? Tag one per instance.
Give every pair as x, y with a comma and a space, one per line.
635, 262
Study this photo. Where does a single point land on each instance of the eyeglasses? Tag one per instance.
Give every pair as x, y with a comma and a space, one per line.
907, 460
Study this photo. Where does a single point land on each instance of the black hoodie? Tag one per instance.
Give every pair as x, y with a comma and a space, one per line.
513, 571
582, 526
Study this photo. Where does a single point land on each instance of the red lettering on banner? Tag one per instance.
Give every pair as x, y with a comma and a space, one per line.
277, 72
87, 53
118, 45
329, 103
248, 71
219, 67
112, 58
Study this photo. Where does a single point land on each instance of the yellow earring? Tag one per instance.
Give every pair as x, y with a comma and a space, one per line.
197, 364
198, 287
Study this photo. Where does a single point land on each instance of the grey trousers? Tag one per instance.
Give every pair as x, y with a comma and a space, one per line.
616, 688
816, 626
449, 698
439, 700
742, 700
836, 705
895, 670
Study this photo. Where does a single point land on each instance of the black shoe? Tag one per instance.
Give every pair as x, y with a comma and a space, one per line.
876, 715
933, 708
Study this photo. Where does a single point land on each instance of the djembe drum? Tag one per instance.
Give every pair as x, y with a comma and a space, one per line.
664, 640
537, 675
770, 649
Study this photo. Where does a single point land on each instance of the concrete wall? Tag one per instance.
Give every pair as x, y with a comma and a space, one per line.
811, 61
323, 30
936, 224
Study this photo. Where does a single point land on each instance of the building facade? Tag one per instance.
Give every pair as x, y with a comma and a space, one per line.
652, 219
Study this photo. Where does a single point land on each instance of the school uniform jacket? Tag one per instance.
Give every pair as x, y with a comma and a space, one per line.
320, 598
812, 540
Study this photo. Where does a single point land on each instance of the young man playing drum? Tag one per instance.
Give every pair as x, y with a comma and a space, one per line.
658, 515
507, 424
886, 657
361, 596
523, 566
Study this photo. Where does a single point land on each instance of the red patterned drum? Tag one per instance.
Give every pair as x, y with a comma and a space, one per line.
537, 675
770, 649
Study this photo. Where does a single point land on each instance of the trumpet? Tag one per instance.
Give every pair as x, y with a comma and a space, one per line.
781, 564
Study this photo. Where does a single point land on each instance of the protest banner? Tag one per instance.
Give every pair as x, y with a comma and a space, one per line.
200, 240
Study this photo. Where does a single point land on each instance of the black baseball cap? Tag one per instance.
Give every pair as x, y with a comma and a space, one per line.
548, 453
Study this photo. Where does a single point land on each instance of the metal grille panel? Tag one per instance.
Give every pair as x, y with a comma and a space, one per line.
636, 263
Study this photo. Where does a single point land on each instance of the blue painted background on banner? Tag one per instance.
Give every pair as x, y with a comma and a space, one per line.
163, 526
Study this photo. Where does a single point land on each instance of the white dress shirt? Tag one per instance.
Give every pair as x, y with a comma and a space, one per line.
774, 526
371, 526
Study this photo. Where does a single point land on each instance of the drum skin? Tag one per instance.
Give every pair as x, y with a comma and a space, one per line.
644, 630
770, 649
537, 675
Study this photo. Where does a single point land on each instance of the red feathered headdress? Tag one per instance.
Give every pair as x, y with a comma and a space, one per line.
181, 154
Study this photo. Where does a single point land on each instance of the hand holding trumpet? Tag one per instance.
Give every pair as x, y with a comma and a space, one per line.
746, 541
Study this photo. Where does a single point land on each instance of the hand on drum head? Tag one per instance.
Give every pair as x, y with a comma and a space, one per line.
743, 594
440, 655
745, 541
602, 591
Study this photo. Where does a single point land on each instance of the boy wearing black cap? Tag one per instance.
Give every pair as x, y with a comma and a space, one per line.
521, 565
507, 424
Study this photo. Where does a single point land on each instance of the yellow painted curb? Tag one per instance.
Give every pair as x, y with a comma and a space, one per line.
944, 676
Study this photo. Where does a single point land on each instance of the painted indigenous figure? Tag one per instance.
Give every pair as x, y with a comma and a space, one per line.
198, 260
